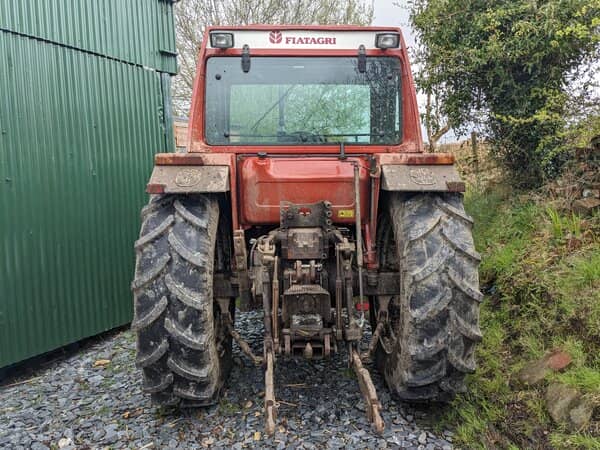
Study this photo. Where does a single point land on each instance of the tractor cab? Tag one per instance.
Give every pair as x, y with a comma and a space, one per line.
305, 192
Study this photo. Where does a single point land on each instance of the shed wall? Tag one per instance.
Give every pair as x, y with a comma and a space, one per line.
78, 132
136, 31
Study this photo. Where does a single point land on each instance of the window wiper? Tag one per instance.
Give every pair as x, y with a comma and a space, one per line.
306, 136
381, 134
357, 135
271, 108
296, 136
228, 135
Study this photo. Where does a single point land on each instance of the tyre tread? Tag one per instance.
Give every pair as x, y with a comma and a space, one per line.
174, 318
438, 319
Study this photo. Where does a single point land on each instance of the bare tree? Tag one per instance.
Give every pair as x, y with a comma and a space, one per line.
434, 121
193, 16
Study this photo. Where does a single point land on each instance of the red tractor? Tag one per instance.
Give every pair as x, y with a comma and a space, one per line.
305, 191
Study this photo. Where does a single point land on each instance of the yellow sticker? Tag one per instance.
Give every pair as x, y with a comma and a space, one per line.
346, 213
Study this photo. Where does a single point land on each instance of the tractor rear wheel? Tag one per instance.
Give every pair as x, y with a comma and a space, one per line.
434, 323
182, 346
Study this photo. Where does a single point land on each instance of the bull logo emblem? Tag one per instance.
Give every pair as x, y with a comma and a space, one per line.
275, 37
187, 177
422, 176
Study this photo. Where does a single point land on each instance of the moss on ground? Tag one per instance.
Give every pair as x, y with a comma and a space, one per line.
541, 276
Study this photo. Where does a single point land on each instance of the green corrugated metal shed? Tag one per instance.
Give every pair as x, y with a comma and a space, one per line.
84, 105
135, 31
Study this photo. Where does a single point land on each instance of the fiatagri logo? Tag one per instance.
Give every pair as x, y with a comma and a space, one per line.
275, 37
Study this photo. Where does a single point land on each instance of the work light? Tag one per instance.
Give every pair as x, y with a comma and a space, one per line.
387, 40
221, 40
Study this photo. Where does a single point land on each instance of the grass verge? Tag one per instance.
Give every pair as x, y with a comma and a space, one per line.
541, 276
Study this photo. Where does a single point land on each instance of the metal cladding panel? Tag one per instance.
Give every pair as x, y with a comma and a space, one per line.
136, 31
77, 136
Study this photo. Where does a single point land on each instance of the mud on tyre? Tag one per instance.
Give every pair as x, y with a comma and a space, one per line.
434, 322
182, 348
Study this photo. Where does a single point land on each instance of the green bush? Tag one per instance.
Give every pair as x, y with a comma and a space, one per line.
508, 66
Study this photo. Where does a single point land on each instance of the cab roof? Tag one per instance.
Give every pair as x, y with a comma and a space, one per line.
321, 37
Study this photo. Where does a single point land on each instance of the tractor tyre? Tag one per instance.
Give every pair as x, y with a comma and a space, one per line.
182, 345
433, 325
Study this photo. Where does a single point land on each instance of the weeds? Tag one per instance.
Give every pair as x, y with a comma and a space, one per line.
584, 378
586, 272
574, 441
556, 221
562, 227
542, 294
347, 373
227, 408
574, 225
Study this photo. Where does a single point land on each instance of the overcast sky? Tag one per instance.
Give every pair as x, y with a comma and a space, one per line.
387, 14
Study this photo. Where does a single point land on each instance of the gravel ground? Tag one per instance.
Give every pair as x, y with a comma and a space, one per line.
75, 404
